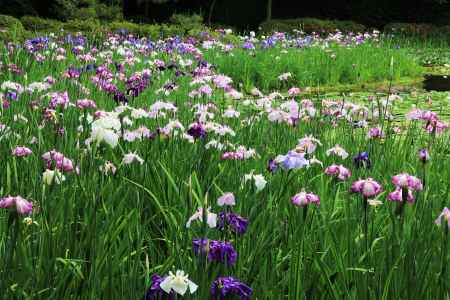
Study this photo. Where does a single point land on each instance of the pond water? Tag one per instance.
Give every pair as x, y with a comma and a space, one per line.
437, 83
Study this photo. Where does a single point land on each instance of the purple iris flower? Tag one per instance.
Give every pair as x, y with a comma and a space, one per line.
73, 72
362, 160
197, 130
248, 45
76, 50
90, 67
218, 251
179, 73
424, 156
235, 222
122, 31
155, 291
294, 160
12, 95
119, 67
136, 84
6, 104
120, 97
272, 166
224, 287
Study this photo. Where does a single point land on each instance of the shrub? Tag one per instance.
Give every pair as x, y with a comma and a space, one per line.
10, 28
84, 13
73, 9
310, 25
218, 33
187, 22
128, 27
217, 26
82, 26
431, 32
279, 25
152, 31
349, 26
108, 13
410, 29
10, 22
168, 30
36, 24
445, 32
203, 33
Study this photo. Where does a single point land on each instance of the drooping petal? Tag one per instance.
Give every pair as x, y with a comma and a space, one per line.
166, 284
7, 202
192, 286
212, 220
179, 285
23, 206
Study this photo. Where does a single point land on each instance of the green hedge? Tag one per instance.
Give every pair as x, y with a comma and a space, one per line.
168, 30
108, 13
89, 25
36, 24
153, 31
10, 28
179, 25
419, 30
410, 28
156, 31
349, 26
182, 25
132, 28
309, 25
187, 22
445, 32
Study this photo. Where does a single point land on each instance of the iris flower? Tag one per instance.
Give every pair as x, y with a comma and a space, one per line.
179, 283
226, 199
368, 188
258, 179
444, 216
303, 199
224, 287
22, 206
211, 218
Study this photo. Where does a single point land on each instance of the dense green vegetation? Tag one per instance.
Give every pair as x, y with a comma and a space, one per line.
316, 66
112, 143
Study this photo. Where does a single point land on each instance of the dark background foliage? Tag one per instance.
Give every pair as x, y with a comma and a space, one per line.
242, 14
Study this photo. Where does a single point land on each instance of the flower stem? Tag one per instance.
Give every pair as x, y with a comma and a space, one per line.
14, 226
443, 278
366, 240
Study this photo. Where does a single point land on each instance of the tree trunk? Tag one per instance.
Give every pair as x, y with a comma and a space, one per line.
269, 10
211, 9
146, 8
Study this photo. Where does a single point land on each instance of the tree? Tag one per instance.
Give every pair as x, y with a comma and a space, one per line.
211, 9
269, 10
147, 4
69, 9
